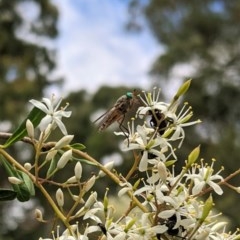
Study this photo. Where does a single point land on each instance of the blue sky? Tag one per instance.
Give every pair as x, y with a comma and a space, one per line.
94, 48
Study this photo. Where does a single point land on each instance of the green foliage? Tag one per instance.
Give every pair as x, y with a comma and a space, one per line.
203, 35
24, 66
23, 190
25, 69
159, 196
35, 116
7, 194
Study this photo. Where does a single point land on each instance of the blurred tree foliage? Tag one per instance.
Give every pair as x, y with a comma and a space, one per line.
25, 62
204, 36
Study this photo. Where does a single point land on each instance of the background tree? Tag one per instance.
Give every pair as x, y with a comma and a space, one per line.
26, 65
204, 36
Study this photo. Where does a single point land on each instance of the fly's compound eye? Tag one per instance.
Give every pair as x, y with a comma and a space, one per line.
129, 95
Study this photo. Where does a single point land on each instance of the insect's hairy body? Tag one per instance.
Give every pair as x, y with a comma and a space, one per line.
117, 112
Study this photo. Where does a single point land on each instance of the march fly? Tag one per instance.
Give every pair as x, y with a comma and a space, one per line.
117, 112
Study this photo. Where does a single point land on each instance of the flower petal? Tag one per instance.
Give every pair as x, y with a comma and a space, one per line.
143, 162
39, 105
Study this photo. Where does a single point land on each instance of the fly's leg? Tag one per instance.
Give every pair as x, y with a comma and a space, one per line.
123, 129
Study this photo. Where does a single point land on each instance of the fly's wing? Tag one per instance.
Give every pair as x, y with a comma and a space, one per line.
116, 113
109, 118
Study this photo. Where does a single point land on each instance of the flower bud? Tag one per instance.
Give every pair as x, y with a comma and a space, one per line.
15, 180
206, 209
30, 128
72, 180
183, 88
192, 157
60, 197
162, 171
50, 155
46, 131
28, 166
64, 141
38, 215
108, 166
64, 159
90, 183
91, 200
130, 224
105, 201
78, 170
237, 189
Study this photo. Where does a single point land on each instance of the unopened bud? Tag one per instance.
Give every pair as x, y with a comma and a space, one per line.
38, 215
64, 159
72, 180
183, 88
15, 180
162, 171
193, 156
51, 154
237, 189
108, 166
136, 184
90, 183
206, 208
105, 201
30, 128
28, 166
91, 200
130, 224
64, 141
60, 197
78, 170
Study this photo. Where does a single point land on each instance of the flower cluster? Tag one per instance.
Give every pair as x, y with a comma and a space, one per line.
161, 204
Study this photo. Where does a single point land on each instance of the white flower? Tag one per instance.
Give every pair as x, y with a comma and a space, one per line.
53, 115
179, 122
165, 113
205, 177
148, 147
151, 103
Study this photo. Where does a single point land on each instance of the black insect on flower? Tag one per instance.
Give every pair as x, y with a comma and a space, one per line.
172, 231
159, 121
103, 228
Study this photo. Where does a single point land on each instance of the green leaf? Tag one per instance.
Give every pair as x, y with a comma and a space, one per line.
78, 146
35, 116
11, 171
84, 161
28, 182
23, 190
7, 194
170, 162
52, 166
23, 193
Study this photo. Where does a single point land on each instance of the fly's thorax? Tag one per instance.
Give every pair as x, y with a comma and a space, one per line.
124, 103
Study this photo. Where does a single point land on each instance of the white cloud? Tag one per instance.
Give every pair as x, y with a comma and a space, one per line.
94, 49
